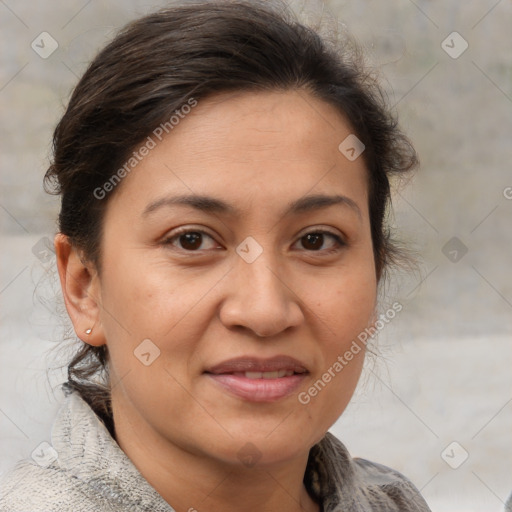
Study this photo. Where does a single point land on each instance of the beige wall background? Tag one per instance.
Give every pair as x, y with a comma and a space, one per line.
445, 371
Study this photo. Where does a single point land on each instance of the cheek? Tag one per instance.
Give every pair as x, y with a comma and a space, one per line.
152, 301
149, 297
345, 304
343, 311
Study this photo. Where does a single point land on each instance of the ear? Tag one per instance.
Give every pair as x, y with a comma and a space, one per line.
80, 287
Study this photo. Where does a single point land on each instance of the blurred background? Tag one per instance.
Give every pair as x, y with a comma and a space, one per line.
436, 404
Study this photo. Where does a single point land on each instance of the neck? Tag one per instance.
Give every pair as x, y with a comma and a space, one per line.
192, 482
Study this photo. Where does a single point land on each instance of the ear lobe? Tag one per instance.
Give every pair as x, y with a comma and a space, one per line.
80, 288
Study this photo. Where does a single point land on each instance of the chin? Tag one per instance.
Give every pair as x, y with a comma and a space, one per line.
269, 446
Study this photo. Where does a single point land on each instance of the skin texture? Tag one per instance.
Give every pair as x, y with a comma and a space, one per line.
258, 151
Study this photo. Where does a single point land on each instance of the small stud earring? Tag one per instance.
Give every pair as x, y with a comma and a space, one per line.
88, 331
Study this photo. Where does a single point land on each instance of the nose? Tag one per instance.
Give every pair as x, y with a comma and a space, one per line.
259, 299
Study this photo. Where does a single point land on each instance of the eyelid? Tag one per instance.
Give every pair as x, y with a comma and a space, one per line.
339, 239
166, 239
339, 236
321, 229
186, 229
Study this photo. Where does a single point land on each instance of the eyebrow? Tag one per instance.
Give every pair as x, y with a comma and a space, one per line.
210, 204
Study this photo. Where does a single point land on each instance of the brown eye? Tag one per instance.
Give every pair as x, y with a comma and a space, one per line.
191, 240
315, 240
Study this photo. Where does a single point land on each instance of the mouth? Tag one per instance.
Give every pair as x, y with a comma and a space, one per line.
264, 375
259, 380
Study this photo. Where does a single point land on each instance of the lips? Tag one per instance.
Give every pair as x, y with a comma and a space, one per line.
259, 380
258, 365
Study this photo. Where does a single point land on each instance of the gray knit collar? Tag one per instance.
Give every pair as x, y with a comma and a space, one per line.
87, 451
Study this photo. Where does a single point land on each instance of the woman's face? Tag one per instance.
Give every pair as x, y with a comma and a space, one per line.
196, 292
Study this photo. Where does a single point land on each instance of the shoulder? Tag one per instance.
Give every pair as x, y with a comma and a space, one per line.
365, 485
29, 487
389, 487
83, 469
58, 479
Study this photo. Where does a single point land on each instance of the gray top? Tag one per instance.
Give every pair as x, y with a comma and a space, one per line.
85, 470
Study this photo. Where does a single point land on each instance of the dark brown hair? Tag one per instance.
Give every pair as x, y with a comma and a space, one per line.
158, 63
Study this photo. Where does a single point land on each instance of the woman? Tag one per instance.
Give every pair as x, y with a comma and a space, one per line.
224, 175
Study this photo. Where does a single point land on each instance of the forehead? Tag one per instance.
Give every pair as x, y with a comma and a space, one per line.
250, 147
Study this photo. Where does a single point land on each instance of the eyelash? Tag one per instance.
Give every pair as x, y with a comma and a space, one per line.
340, 243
